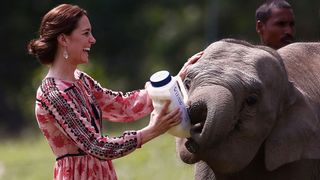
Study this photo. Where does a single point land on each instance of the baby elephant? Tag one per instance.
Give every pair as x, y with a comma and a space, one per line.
254, 112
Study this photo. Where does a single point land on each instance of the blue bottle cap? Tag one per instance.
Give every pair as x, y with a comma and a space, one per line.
160, 78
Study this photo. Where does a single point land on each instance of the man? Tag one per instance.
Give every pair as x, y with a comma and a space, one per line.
275, 23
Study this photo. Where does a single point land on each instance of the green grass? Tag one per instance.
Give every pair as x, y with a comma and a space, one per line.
28, 159
156, 160
32, 159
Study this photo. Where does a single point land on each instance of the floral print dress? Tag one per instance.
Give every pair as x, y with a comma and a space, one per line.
70, 115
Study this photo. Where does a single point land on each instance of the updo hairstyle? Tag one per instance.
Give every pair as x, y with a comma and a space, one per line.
62, 19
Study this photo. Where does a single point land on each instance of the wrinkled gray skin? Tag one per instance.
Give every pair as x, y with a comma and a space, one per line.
254, 112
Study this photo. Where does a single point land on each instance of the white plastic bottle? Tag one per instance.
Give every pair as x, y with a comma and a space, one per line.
165, 87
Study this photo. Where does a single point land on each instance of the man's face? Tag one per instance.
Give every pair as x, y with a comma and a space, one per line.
278, 30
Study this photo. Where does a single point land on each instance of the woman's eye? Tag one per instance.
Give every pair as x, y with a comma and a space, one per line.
252, 100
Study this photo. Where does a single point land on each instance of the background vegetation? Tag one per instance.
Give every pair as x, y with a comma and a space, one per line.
134, 39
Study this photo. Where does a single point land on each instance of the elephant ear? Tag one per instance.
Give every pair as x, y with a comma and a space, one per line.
295, 135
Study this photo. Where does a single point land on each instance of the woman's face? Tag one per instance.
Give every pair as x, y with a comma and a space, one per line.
79, 42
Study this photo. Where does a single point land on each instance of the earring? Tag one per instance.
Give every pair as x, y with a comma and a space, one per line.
65, 54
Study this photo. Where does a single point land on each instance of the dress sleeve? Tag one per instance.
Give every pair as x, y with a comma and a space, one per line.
69, 120
122, 107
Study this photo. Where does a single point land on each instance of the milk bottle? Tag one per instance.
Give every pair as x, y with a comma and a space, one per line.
165, 87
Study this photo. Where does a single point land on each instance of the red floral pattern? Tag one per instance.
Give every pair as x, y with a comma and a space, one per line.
70, 115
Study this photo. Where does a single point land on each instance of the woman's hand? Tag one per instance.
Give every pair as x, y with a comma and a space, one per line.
160, 123
164, 121
182, 73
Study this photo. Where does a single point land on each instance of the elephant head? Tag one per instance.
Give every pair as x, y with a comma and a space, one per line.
242, 102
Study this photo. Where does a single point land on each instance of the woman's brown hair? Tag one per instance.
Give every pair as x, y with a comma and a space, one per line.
62, 19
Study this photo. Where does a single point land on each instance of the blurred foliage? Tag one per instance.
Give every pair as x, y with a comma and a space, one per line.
134, 39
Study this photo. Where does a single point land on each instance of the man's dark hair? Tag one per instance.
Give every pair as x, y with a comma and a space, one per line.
263, 12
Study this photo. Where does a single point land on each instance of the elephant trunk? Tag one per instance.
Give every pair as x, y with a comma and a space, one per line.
211, 113
217, 120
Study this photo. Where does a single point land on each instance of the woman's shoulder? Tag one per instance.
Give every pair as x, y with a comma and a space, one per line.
87, 79
81, 75
52, 85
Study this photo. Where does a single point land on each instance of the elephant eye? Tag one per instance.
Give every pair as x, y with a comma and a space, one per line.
252, 100
187, 84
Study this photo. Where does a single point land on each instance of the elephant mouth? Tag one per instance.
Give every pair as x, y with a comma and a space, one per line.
189, 147
197, 113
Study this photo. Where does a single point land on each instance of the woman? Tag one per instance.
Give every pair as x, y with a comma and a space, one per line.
70, 104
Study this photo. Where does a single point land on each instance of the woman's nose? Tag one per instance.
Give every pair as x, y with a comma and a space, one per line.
92, 40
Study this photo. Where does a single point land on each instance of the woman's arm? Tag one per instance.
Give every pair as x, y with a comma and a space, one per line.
68, 118
118, 106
